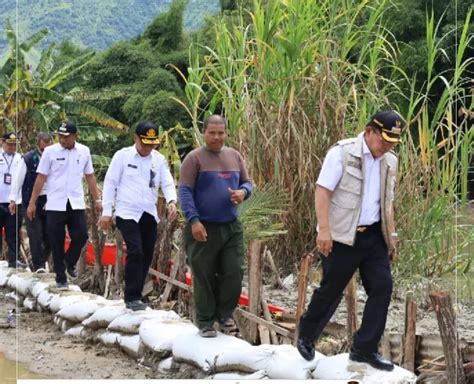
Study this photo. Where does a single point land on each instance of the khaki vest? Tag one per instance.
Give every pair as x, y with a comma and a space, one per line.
346, 200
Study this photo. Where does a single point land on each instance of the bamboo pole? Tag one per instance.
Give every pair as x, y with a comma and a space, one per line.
447, 328
267, 316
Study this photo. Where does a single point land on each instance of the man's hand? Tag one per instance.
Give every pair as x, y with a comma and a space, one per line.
199, 231
324, 242
236, 195
105, 223
12, 207
172, 213
98, 207
31, 211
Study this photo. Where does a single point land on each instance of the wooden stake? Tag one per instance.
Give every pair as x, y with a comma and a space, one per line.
268, 256
167, 290
264, 334
386, 350
118, 278
350, 295
409, 337
255, 283
267, 316
302, 284
107, 281
269, 325
447, 328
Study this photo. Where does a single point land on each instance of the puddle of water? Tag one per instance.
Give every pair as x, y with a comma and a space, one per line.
10, 371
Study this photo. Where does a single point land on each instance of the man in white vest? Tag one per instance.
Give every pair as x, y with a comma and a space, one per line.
354, 196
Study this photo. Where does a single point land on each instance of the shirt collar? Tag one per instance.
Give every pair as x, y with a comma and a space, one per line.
366, 150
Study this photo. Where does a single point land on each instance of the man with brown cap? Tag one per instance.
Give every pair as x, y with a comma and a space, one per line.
9, 163
354, 196
131, 185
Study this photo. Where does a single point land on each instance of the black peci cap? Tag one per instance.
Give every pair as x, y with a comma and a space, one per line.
390, 124
148, 132
66, 128
9, 138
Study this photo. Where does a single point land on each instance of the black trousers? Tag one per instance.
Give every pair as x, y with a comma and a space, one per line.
140, 239
37, 234
12, 224
369, 254
56, 222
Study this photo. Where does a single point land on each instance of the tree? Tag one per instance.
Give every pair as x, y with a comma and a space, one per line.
166, 30
36, 95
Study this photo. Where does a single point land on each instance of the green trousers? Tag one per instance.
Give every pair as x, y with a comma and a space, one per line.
217, 270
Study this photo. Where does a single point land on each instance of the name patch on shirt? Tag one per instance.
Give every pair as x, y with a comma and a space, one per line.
355, 164
224, 175
132, 166
61, 158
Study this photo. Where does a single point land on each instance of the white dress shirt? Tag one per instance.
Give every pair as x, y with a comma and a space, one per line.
331, 173
9, 164
18, 180
129, 184
65, 169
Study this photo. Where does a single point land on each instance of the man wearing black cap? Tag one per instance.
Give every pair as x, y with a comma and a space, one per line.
131, 183
63, 165
354, 195
9, 164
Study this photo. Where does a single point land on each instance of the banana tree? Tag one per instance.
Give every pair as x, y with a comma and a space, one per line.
35, 96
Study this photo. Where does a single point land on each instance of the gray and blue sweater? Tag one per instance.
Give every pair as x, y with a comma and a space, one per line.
204, 182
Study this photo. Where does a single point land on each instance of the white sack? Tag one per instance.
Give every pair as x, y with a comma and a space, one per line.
22, 282
74, 331
104, 316
40, 286
339, 367
67, 298
130, 322
158, 335
14, 296
79, 311
30, 304
109, 339
44, 298
259, 375
164, 366
5, 274
131, 345
203, 352
279, 361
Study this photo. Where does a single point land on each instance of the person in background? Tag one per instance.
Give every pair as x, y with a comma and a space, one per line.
214, 181
354, 207
131, 184
63, 165
10, 161
21, 191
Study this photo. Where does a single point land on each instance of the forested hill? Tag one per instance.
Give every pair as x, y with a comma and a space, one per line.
95, 23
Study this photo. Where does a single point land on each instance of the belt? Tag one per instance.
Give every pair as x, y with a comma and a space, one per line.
363, 228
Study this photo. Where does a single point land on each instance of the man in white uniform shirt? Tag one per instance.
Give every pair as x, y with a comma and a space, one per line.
64, 165
354, 199
132, 181
9, 163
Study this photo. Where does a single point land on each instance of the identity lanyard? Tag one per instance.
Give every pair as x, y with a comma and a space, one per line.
9, 164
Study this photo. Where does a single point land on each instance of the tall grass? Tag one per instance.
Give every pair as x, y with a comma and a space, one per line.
305, 74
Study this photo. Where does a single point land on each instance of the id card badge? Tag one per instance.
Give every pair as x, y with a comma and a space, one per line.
7, 178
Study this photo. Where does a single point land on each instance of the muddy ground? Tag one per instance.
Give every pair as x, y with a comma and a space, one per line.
38, 343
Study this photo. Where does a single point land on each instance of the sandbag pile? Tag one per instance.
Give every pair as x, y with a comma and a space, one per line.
167, 340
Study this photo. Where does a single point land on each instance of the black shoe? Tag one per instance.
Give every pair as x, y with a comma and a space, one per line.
207, 332
374, 359
62, 286
71, 271
227, 324
305, 348
136, 305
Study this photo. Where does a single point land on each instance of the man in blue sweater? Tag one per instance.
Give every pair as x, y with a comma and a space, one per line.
214, 181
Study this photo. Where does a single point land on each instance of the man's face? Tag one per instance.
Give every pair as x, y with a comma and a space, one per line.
377, 145
9, 148
68, 141
214, 136
143, 149
42, 144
